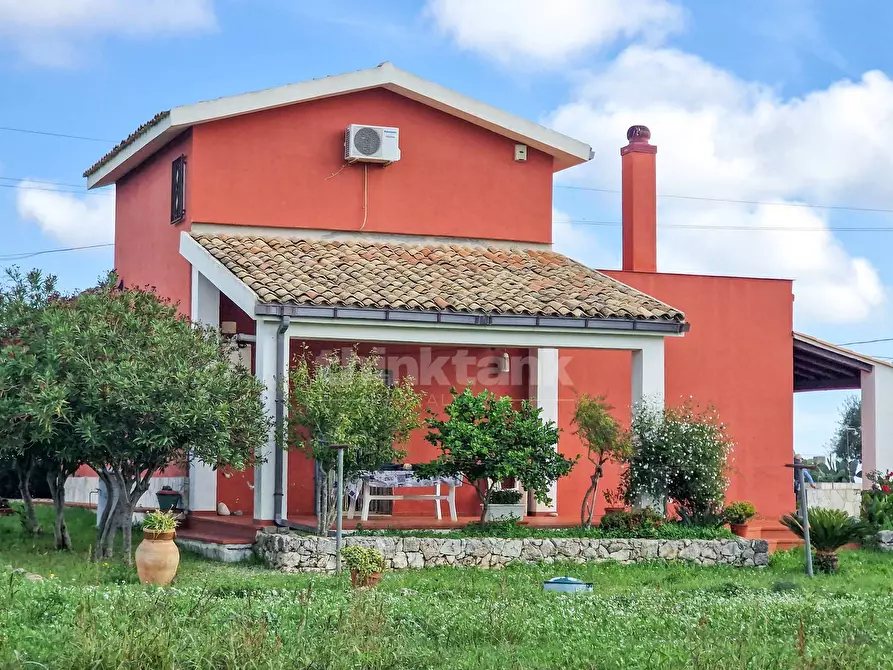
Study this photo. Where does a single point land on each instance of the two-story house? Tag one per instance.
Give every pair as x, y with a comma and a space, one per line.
380, 210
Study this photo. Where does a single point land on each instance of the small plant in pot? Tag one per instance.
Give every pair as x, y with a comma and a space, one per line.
829, 530
615, 500
5, 509
737, 514
157, 557
505, 504
365, 564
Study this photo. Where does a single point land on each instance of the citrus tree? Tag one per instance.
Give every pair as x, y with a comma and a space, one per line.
605, 441
485, 440
333, 402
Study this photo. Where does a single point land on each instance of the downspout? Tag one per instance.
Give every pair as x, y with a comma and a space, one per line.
279, 418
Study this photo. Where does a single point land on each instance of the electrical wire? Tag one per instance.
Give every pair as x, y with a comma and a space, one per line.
881, 339
845, 208
42, 252
28, 131
795, 229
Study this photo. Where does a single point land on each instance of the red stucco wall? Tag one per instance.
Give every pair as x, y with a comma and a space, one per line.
454, 179
737, 357
147, 246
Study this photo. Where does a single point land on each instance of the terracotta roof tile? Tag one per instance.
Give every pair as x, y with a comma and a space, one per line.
435, 277
114, 151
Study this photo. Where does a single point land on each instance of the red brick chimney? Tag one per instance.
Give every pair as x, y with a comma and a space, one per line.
639, 202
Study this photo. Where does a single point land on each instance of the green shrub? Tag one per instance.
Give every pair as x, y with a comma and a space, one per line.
681, 456
505, 497
160, 522
829, 530
631, 520
365, 560
877, 510
739, 512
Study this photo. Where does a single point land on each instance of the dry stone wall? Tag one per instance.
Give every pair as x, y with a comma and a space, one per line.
291, 552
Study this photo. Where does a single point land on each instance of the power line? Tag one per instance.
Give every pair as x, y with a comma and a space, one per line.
881, 339
41, 181
845, 208
55, 190
42, 252
49, 134
793, 229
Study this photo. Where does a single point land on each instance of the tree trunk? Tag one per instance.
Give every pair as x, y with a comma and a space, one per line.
24, 469
105, 531
328, 503
56, 476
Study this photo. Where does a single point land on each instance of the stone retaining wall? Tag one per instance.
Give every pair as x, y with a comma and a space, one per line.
291, 552
885, 540
838, 495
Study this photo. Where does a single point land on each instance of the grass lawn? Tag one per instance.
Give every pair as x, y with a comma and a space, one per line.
644, 616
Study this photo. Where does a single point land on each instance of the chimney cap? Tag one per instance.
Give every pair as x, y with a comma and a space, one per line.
638, 134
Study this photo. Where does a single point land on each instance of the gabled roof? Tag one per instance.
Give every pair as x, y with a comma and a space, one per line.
161, 129
520, 286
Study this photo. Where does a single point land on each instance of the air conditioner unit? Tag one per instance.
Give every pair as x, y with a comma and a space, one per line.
371, 144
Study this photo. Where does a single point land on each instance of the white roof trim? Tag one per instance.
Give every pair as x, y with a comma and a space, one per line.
215, 272
566, 150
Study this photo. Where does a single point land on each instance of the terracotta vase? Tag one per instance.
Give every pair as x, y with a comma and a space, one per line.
157, 558
740, 529
371, 580
611, 509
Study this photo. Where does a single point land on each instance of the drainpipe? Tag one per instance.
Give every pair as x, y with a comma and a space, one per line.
279, 417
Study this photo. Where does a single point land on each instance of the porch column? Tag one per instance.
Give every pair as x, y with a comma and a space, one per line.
544, 387
266, 372
648, 373
205, 308
877, 420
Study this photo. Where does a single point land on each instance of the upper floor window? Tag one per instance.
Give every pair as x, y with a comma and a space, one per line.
178, 189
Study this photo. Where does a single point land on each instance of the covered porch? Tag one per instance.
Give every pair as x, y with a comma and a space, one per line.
442, 313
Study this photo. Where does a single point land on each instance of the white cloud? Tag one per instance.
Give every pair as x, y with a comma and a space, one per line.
551, 31
51, 32
70, 219
721, 137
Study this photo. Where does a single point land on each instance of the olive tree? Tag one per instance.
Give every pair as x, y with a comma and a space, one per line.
146, 388
485, 440
31, 390
605, 441
333, 402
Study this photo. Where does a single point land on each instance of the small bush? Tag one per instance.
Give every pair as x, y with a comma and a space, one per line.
505, 497
739, 512
365, 560
160, 522
631, 521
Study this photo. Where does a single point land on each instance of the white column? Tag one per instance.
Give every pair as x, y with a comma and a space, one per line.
877, 421
648, 373
265, 370
544, 387
205, 308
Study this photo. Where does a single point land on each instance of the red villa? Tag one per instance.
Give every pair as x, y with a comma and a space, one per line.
424, 231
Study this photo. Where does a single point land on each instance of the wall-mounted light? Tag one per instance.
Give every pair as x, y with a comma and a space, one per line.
504, 362
228, 327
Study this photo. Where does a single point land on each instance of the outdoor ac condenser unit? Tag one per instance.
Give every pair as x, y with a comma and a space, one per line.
371, 144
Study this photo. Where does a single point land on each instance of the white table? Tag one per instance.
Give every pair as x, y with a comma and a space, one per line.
399, 479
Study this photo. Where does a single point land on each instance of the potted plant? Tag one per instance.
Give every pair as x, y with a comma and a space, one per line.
157, 557
365, 564
615, 500
829, 530
505, 504
737, 514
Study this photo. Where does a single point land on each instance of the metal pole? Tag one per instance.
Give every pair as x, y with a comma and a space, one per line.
340, 510
804, 512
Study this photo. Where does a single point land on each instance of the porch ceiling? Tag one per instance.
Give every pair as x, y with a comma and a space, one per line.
821, 366
442, 282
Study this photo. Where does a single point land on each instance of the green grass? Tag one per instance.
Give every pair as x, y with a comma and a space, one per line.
644, 616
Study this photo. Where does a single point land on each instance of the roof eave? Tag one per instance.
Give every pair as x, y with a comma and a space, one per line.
565, 150
663, 327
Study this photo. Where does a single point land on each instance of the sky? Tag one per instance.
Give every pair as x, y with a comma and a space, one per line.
773, 122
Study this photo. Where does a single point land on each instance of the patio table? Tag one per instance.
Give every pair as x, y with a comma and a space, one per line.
400, 479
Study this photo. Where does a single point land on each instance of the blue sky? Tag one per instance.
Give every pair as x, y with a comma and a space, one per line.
786, 103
